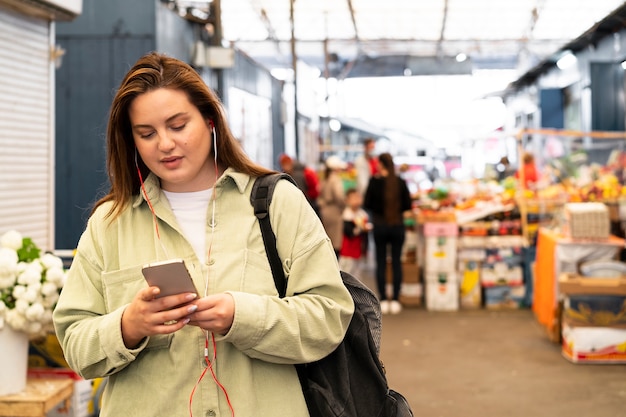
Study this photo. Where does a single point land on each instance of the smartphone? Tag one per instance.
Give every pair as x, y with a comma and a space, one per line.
171, 276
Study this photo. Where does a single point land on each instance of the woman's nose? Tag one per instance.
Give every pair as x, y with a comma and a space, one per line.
166, 143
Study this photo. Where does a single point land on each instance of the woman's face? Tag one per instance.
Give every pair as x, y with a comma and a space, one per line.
173, 139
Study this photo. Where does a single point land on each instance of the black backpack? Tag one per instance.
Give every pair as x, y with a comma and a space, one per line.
351, 381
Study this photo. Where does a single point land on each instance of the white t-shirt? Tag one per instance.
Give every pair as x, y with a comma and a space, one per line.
190, 210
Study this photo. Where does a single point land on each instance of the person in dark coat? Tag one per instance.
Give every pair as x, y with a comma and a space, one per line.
387, 198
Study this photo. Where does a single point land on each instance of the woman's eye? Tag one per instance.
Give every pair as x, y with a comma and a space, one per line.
178, 127
145, 135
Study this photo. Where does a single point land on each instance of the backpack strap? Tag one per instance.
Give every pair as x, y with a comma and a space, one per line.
260, 198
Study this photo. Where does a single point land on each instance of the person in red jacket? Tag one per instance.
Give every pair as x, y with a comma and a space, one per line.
528, 171
356, 226
306, 178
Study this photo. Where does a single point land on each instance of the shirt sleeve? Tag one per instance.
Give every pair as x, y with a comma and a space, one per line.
90, 336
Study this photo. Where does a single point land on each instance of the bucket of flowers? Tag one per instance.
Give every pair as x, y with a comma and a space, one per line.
30, 283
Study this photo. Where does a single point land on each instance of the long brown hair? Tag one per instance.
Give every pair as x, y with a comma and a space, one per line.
150, 72
393, 211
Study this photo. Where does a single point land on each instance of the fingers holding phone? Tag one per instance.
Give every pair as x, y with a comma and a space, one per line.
149, 315
215, 313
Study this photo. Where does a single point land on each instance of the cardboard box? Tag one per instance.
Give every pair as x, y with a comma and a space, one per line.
593, 302
46, 352
82, 397
593, 344
411, 291
501, 273
574, 284
504, 297
411, 295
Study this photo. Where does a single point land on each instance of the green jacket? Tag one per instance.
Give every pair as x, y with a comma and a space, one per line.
268, 335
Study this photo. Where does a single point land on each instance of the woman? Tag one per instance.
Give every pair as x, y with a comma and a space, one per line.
180, 188
332, 201
387, 198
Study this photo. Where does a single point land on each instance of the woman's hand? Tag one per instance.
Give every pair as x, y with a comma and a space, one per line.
215, 313
147, 315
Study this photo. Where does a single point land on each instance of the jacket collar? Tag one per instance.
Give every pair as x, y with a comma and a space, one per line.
152, 185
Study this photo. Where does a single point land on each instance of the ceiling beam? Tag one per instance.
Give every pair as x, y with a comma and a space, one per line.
442, 33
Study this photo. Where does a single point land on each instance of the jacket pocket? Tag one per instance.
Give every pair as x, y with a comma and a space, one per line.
120, 287
257, 275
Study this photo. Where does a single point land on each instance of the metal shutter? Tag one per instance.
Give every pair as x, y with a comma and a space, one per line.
26, 129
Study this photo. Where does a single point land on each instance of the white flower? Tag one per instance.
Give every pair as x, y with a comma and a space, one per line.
31, 274
21, 305
7, 281
32, 293
49, 289
35, 312
56, 275
50, 261
33, 327
8, 267
11, 240
30, 284
50, 301
16, 320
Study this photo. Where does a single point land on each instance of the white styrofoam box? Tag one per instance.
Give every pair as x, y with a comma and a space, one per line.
441, 254
472, 242
505, 241
442, 291
501, 273
594, 344
410, 239
504, 297
410, 293
471, 254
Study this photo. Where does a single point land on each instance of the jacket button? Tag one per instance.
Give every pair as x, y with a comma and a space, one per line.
211, 261
210, 413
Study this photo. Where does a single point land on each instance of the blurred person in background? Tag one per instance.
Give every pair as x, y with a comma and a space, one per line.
332, 201
366, 164
356, 227
304, 176
387, 198
528, 172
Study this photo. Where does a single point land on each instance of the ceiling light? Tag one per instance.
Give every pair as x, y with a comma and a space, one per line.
334, 125
283, 74
461, 57
624, 65
566, 61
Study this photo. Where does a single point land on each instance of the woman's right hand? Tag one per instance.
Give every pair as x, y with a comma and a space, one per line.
148, 315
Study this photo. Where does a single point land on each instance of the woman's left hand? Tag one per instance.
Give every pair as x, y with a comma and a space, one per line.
215, 313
